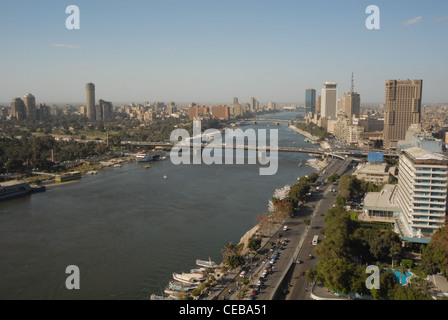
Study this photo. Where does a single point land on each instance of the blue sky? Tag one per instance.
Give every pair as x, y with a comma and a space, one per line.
211, 51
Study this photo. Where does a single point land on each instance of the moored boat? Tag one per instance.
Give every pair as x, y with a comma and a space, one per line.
206, 263
190, 278
38, 189
69, 176
13, 189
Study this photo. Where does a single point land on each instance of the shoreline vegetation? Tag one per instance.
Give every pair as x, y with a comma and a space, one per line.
85, 169
323, 144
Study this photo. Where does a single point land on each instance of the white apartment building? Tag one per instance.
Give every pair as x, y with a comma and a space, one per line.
421, 194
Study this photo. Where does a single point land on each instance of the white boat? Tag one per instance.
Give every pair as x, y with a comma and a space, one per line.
206, 263
165, 177
140, 156
190, 278
200, 270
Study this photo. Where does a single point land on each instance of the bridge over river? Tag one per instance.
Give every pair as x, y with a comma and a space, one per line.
328, 153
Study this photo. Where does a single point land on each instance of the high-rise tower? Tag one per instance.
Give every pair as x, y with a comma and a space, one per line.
90, 93
30, 106
310, 100
351, 102
329, 95
403, 108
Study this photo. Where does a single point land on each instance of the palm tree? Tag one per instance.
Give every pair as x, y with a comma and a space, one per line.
229, 249
402, 269
422, 285
394, 250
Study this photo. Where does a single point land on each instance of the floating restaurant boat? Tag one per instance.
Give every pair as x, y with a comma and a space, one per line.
151, 156
75, 175
206, 263
190, 278
13, 189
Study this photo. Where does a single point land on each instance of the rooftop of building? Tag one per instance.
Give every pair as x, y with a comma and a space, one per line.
372, 167
423, 156
382, 200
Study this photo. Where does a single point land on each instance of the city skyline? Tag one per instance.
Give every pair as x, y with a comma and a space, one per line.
210, 52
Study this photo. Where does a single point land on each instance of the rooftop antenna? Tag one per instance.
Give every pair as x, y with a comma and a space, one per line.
353, 86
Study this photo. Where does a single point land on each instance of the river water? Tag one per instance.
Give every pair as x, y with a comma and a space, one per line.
128, 229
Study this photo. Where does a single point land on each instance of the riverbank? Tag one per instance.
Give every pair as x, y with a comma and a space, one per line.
314, 139
85, 169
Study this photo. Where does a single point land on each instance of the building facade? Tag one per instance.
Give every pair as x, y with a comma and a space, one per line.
403, 108
30, 105
329, 97
421, 193
18, 109
351, 102
310, 101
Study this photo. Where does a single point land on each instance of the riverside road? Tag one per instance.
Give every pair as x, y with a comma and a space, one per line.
287, 279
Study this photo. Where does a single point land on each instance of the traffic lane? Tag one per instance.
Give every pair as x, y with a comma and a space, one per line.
285, 253
296, 229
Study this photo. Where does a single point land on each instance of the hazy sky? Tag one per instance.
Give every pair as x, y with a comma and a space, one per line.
211, 51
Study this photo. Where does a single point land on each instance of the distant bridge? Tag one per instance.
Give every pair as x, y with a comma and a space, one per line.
276, 121
334, 154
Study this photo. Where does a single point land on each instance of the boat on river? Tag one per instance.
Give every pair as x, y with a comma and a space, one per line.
206, 263
189, 278
150, 156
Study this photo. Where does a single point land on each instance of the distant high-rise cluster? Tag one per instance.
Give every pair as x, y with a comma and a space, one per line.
103, 110
25, 109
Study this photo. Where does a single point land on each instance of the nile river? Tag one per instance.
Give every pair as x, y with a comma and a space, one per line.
128, 229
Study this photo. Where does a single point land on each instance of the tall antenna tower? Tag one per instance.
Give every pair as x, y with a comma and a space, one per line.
353, 86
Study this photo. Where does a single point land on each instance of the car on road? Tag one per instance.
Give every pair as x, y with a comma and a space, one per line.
285, 228
299, 261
